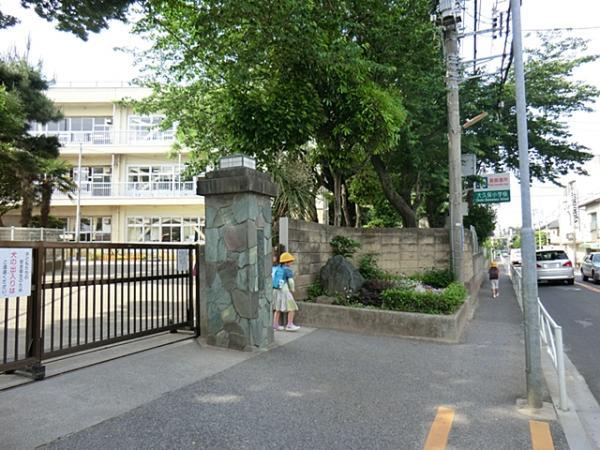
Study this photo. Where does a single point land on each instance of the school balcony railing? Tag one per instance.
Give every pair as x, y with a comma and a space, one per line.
133, 189
111, 137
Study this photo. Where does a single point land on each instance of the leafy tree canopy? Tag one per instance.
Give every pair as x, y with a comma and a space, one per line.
552, 96
77, 16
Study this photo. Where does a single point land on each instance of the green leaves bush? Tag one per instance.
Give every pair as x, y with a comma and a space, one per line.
428, 302
344, 246
436, 278
368, 268
315, 290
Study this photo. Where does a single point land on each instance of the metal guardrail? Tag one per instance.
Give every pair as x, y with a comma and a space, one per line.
515, 276
550, 334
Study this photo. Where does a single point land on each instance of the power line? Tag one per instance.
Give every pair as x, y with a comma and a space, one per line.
563, 28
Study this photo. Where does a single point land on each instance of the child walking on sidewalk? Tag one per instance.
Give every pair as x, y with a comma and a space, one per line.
283, 300
494, 274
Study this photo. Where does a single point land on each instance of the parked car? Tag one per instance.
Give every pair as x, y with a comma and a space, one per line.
515, 256
590, 267
554, 265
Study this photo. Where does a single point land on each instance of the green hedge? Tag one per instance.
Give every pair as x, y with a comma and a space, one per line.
430, 302
437, 278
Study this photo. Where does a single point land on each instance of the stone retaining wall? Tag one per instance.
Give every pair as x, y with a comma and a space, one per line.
390, 323
397, 250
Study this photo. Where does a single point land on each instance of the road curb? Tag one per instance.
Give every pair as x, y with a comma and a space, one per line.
581, 423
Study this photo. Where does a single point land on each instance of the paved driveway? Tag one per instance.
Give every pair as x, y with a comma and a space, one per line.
337, 390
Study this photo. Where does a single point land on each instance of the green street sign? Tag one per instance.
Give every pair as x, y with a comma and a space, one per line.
491, 196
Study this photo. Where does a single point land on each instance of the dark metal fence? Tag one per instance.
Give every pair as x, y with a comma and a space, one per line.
92, 294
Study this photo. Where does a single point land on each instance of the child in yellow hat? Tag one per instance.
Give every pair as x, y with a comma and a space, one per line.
494, 274
283, 300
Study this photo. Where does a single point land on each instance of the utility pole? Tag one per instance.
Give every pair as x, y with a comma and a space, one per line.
78, 209
449, 18
529, 285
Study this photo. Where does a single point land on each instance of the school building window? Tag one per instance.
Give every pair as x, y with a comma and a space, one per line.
163, 229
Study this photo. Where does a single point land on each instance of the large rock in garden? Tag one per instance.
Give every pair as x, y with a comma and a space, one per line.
339, 276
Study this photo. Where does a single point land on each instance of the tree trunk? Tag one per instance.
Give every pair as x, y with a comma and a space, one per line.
344, 195
358, 216
27, 202
408, 215
312, 213
45, 206
337, 199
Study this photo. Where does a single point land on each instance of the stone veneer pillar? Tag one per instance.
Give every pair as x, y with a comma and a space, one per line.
238, 284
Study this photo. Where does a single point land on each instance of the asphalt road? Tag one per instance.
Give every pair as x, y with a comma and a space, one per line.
577, 310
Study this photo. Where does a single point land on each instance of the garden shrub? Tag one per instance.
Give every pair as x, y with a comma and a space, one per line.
428, 302
437, 278
344, 246
368, 268
315, 290
371, 290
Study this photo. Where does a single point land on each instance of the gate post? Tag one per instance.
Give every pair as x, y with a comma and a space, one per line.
238, 262
35, 345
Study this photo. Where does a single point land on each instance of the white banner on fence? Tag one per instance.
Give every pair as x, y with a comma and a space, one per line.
15, 272
183, 260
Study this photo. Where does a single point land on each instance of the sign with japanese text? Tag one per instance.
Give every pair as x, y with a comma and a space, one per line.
183, 260
16, 266
493, 188
572, 190
468, 164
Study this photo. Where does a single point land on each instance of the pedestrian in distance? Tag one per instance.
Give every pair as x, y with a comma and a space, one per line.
283, 300
494, 274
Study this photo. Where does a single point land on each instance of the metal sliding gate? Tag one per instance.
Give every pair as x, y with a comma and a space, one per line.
85, 295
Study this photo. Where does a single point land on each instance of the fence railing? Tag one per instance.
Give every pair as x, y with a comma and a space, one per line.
32, 234
550, 335
111, 137
86, 295
137, 189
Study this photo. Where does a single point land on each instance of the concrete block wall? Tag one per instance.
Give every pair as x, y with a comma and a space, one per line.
397, 250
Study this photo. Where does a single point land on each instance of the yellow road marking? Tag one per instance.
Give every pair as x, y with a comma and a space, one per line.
588, 287
440, 428
541, 439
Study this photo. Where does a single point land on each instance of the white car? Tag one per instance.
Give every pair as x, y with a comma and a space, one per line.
590, 267
554, 265
515, 256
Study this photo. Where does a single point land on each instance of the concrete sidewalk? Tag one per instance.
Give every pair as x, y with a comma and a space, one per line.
320, 389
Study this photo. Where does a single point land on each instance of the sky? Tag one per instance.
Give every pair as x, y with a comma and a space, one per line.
67, 59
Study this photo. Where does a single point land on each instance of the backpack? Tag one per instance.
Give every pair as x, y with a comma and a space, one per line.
278, 277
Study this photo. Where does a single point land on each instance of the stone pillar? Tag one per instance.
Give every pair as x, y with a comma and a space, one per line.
238, 263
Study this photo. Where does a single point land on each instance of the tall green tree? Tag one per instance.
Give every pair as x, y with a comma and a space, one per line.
271, 77
22, 100
553, 95
54, 176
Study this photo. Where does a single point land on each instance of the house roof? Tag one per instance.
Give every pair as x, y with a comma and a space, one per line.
591, 200
553, 224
